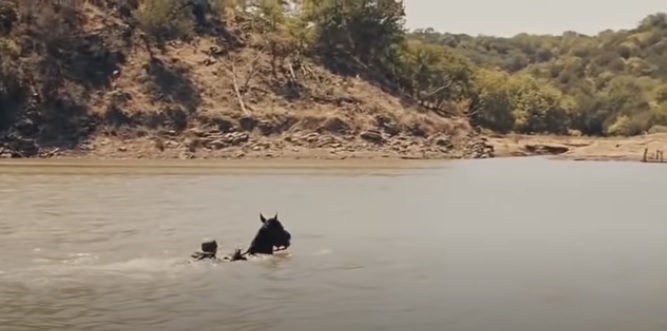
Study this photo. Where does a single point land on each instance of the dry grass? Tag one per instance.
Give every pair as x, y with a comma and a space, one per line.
327, 102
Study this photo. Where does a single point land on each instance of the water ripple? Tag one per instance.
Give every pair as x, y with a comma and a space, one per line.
110, 251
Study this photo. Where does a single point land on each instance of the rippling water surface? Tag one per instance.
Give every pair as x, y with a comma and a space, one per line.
506, 244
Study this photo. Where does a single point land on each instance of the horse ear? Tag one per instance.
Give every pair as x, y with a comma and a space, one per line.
276, 216
261, 218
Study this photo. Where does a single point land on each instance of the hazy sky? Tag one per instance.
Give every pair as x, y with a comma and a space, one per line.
510, 17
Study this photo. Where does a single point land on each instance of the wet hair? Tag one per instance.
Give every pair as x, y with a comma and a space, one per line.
209, 246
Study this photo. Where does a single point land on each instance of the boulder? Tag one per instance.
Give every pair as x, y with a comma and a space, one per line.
373, 136
546, 149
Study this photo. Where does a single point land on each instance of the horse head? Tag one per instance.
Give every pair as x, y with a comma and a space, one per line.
271, 235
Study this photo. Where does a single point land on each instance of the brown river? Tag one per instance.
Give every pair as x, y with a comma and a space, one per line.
502, 244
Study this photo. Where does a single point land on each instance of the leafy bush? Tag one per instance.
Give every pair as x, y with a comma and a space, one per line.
165, 19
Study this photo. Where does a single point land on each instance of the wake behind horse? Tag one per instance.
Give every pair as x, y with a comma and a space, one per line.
271, 237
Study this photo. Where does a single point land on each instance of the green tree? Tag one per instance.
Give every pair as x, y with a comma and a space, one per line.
494, 104
538, 107
366, 29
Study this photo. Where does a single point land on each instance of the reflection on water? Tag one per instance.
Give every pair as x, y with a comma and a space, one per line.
517, 244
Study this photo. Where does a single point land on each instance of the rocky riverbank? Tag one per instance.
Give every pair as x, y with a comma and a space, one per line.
368, 144
203, 144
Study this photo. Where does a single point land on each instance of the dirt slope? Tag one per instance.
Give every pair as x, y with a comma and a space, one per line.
114, 96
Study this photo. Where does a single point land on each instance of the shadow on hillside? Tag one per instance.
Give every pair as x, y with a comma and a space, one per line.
171, 83
62, 66
216, 28
209, 24
67, 122
84, 60
170, 117
68, 53
289, 89
345, 66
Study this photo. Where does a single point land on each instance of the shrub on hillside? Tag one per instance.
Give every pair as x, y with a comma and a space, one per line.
164, 20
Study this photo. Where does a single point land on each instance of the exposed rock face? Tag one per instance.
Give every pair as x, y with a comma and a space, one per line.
442, 141
220, 141
479, 148
18, 140
373, 136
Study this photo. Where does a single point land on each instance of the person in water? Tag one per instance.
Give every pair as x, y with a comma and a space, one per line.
236, 256
209, 250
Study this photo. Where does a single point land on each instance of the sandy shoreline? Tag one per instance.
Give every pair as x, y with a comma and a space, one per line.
581, 148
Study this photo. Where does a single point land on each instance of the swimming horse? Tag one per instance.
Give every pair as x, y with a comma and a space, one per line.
271, 237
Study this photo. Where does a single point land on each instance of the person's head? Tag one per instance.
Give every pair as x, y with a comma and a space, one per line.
209, 246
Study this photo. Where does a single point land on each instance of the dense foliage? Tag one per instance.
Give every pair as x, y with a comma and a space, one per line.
610, 84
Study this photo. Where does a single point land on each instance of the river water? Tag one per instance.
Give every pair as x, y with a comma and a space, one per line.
501, 244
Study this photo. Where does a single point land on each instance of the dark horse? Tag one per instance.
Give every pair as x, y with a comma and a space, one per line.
271, 237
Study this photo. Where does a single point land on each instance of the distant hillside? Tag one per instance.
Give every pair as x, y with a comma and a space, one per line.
612, 83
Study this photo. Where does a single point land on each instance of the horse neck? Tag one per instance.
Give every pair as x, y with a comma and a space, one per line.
261, 243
